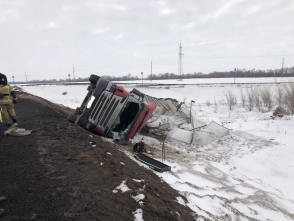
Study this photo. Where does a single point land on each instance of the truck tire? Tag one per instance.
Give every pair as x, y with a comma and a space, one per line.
72, 118
93, 78
89, 88
82, 121
77, 111
90, 126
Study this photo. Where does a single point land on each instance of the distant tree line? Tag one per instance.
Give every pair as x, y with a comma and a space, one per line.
237, 73
111, 78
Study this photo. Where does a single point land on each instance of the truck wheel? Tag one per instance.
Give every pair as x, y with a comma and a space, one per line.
89, 88
90, 126
82, 121
93, 78
72, 118
77, 111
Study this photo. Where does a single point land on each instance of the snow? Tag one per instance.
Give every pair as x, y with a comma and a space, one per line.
212, 81
123, 187
138, 214
180, 200
248, 174
139, 197
138, 181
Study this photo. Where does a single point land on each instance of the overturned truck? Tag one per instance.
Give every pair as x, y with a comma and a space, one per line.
109, 110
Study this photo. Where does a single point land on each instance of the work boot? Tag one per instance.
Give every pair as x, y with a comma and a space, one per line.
2, 212
13, 119
2, 198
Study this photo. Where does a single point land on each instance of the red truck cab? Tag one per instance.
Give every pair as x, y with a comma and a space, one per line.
109, 110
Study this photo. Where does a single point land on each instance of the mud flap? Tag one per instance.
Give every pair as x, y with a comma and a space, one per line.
72, 118
83, 119
122, 142
152, 163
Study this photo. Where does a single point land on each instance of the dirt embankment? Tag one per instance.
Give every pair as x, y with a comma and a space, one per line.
61, 172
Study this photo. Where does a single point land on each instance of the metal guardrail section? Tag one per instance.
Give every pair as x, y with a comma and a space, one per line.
106, 110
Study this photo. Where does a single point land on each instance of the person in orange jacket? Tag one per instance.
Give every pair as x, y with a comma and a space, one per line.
2, 198
8, 101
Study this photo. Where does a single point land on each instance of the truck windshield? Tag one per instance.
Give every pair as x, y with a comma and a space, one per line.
124, 122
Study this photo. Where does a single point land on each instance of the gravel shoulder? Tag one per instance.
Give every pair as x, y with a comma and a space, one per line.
63, 172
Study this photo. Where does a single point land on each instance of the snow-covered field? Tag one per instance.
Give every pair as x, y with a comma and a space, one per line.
248, 175
213, 81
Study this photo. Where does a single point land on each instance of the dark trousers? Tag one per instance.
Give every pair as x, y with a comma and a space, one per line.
1, 128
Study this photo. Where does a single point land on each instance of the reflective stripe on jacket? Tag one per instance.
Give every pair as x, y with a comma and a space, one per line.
7, 89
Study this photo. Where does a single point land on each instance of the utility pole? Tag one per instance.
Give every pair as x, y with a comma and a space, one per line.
73, 73
26, 76
236, 69
180, 64
191, 111
283, 68
142, 77
151, 71
163, 152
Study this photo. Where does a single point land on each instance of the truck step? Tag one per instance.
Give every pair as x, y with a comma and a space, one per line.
152, 163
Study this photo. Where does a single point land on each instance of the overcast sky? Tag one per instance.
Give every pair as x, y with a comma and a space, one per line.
46, 39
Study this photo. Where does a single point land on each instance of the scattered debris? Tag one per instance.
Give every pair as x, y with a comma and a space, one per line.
14, 130
280, 112
176, 123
